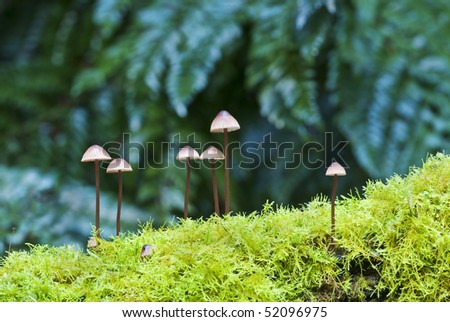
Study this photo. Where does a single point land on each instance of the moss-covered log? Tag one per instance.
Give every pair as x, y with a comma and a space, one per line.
391, 245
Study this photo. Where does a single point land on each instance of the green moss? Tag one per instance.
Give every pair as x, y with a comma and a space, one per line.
393, 245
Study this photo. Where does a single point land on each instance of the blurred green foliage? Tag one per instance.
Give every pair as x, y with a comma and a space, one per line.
35, 210
77, 72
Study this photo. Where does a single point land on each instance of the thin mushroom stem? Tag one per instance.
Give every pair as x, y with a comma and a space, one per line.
333, 199
215, 192
186, 192
119, 203
227, 174
97, 199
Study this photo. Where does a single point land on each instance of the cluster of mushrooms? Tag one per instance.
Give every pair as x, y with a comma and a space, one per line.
224, 122
96, 153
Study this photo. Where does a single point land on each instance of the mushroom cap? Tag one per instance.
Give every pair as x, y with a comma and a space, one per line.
224, 120
212, 153
187, 152
117, 165
335, 169
92, 242
95, 152
147, 250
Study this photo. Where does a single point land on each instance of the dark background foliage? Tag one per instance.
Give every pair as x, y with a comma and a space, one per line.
145, 77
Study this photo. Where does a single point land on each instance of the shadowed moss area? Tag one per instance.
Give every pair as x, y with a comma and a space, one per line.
392, 245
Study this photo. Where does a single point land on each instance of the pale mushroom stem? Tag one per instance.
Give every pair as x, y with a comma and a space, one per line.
97, 199
215, 192
333, 199
119, 203
227, 174
186, 193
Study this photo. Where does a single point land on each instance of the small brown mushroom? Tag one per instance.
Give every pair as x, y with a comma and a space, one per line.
96, 153
212, 154
335, 170
224, 122
146, 251
118, 166
186, 154
92, 243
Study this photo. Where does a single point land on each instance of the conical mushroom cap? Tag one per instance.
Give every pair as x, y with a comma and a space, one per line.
95, 152
212, 153
224, 120
117, 165
335, 169
187, 152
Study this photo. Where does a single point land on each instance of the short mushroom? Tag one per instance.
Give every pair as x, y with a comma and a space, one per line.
96, 153
187, 153
92, 243
335, 170
146, 251
212, 154
118, 166
224, 122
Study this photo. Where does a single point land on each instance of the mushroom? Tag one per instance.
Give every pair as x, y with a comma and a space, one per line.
92, 243
146, 250
96, 153
118, 166
186, 154
335, 170
212, 154
224, 122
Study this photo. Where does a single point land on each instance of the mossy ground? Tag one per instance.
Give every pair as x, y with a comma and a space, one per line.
393, 245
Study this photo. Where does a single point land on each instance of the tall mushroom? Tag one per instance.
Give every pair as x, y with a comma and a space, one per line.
335, 170
212, 154
118, 166
224, 122
96, 153
187, 153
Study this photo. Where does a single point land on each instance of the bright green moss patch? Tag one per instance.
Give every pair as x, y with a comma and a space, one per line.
394, 245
